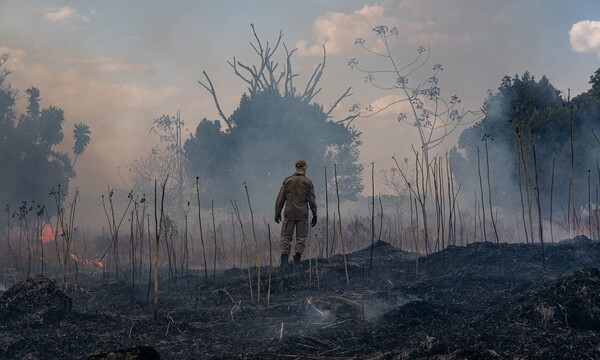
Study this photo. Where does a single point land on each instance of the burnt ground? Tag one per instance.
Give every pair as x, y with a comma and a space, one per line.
482, 301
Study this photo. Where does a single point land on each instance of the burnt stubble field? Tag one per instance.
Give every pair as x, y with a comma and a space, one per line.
480, 301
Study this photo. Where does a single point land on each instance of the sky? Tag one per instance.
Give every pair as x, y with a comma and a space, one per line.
118, 65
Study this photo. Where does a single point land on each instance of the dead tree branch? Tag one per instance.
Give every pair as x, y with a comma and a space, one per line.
337, 102
289, 75
309, 92
211, 89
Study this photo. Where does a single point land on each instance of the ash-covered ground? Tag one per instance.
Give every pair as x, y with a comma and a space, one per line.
482, 301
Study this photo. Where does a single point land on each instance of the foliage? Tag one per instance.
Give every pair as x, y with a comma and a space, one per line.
31, 165
541, 115
269, 132
81, 135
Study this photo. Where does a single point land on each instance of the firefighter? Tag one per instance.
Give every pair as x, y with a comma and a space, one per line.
297, 193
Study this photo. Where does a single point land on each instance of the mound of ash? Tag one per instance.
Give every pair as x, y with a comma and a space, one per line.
414, 313
36, 300
578, 240
571, 301
380, 249
136, 353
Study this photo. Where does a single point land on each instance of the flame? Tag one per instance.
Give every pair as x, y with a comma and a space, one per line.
86, 261
47, 234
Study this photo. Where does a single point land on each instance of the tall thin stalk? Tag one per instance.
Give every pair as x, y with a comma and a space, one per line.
372, 215
186, 257
158, 227
551, 202
68, 237
596, 210
524, 161
589, 204
212, 210
326, 216
481, 191
201, 232
270, 264
334, 235
38, 236
233, 235
572, 169
415, 234
337, 192
244, 244
437, 200
10, 250
537, 197
132, 249
419, 191
487, 161
149, 258
451, 203
255, 243
475, 214
114, 227
380, 217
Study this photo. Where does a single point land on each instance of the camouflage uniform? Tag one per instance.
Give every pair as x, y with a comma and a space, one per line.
297, 193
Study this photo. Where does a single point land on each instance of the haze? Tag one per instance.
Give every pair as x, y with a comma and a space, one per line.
118, 65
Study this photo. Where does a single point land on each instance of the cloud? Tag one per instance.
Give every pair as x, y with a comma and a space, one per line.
338, 31
389, 106
65, 13
585, 37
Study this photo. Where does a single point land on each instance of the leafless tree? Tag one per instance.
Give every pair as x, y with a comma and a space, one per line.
434, 117
268, 75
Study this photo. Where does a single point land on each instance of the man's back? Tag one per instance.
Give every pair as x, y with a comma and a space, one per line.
297, 193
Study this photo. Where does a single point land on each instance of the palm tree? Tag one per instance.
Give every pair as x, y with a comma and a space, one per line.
81, 135
33, 106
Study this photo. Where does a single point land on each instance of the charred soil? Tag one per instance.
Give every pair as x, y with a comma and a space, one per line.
484, 301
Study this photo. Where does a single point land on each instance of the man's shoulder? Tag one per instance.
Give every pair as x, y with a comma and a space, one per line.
297, 178
288, 178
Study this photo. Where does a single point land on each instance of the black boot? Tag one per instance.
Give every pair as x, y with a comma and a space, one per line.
284, 261
297, 257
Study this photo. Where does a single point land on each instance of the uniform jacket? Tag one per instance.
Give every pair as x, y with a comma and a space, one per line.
297, 192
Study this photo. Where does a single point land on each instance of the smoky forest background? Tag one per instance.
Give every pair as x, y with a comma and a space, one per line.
524, 169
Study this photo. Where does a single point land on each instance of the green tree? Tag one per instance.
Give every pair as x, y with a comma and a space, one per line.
31, 164
81, 136
269, 133
541, 115
33, 105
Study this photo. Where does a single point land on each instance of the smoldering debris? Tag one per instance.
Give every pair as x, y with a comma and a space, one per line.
136, 353
478, 301
35, 301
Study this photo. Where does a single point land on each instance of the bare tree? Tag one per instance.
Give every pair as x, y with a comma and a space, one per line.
434, 117
268, 75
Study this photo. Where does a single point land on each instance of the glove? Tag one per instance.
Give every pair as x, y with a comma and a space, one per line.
313, 221
277, 218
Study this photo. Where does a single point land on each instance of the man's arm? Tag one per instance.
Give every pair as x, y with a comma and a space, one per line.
312, 199
280, 200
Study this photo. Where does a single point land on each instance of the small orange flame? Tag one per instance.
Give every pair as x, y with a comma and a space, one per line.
47, 234
86, 261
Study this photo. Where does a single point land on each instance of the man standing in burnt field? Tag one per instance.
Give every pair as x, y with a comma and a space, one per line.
297, 193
